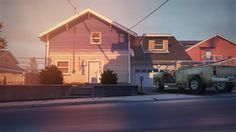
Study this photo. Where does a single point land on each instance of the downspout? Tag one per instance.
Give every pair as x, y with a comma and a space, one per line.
47, 51
45, 58
129, 67
73, 66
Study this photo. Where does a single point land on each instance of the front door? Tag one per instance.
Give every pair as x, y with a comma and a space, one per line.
93, 71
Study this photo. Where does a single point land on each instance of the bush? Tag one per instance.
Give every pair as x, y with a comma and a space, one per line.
109, 77
51, 75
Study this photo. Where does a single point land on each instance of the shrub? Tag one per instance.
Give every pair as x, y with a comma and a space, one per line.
109, 77
51, 75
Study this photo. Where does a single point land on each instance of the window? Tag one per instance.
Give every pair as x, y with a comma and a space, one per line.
158, 45
95, 38
208, 54
143, 70
64, 66
155, 70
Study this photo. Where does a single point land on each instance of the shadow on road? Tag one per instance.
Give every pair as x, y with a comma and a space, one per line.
209, 91
176, 91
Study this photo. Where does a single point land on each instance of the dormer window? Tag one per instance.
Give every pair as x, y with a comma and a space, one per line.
158, 45
95, 38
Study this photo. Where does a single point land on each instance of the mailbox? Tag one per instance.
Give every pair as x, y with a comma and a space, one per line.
141, 78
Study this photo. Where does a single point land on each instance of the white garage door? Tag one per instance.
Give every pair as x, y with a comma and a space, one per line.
147, 75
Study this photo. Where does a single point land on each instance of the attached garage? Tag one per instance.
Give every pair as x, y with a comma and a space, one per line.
146, 75
154, 52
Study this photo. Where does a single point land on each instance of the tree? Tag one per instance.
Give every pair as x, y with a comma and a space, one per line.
51, 75
109, 77
33, 65
3, 42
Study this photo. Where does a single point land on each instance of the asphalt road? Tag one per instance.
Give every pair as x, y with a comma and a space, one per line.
213, 114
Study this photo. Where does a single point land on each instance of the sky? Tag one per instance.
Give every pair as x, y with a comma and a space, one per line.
24, 20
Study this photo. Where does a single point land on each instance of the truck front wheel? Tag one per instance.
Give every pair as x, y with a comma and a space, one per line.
159, 87
196, 86
223, 87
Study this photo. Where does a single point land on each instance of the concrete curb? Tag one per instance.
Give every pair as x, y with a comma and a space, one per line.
123, 99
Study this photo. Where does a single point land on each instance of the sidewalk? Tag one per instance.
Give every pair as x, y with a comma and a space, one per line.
98, 100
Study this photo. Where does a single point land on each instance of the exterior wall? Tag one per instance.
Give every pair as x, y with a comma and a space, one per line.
77, 37
113, 61
221, 47
74, 45
11, 78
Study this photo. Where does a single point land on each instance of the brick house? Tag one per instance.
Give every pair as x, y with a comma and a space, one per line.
155, 52
213, 49
86, 44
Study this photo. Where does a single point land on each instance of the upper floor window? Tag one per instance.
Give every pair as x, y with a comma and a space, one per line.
208, 55
158, 45
95, 38
64, 66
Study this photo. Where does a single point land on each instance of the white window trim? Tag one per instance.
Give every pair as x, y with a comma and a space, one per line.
91, 38
159, 44
156, 50
68, 66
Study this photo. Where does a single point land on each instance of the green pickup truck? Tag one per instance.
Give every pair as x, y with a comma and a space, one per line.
197, 79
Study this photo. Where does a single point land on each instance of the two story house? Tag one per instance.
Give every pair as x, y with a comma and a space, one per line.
83, 46
152, 53
213, 49
86, 44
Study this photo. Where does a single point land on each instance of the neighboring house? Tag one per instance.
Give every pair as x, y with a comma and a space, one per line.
86, 44
10, 73
213, 49
154, 52
188, 43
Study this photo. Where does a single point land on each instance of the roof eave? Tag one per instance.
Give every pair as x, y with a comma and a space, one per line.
209, 39
42, 35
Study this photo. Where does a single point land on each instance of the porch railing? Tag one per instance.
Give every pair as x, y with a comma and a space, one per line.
214, 58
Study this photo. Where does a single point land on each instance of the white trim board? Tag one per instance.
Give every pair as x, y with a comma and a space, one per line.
102, 65
209, 39
69, 66
82, 13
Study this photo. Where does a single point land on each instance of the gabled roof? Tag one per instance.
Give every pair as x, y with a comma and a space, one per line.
9, 67
215, 35
6, 52
63, 23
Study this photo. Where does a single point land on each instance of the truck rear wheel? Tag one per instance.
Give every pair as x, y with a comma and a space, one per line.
196, 86
159, 87
223, 87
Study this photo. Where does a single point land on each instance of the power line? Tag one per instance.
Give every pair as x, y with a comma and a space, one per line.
72, 5
149, 14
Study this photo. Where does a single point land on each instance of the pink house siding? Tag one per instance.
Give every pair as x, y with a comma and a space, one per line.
70, 42
77, 38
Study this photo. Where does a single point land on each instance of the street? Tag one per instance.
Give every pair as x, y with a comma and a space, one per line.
216, 113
